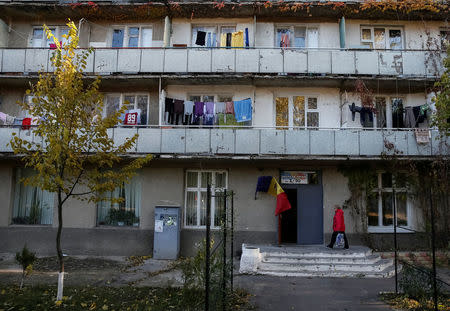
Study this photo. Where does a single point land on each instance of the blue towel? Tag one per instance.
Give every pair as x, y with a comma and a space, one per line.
247, 43
243, 110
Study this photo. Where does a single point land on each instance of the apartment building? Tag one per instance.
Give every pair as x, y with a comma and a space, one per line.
297, 70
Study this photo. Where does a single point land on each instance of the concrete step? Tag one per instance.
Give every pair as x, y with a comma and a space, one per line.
316, 252
270, 258
386, 273
380, 265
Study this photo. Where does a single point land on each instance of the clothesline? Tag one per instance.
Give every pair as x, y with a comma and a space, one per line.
207, 113
24, 122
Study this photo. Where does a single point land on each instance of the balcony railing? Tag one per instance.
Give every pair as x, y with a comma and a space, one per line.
266, 141
407, 63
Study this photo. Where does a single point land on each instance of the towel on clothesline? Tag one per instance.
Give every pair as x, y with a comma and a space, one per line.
243, 110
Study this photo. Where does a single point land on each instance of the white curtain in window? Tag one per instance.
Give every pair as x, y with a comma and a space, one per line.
313, 37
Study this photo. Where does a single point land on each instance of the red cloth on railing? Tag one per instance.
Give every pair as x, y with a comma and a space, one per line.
131, 118
26, 123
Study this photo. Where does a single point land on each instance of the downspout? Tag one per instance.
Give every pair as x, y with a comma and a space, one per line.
254, 30
342, 32
167, 31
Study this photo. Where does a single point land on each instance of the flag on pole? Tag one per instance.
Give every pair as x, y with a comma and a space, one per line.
270, 185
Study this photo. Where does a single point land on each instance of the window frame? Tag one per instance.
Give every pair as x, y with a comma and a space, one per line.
57, 33
379, 190
126, 35
388, 101
122, 100
291, 28
387, 29
291, 110
199, 190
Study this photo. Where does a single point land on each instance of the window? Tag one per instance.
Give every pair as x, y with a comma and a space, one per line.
125, 213
39, 37
380, 211
204, 36
388, 113
297, 37
195, 197
32, 205
297, 111
382, 37
132, 36
114, 102
445, 38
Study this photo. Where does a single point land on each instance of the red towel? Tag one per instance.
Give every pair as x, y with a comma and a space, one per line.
26, 123
131, 118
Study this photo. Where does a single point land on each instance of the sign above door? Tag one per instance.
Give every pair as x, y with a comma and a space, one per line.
298, 177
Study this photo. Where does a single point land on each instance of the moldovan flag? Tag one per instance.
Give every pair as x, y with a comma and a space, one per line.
270, 185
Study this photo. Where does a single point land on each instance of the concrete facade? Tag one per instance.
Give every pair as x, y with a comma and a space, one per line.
262, 72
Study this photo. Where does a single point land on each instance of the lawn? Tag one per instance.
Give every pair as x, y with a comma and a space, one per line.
110, 298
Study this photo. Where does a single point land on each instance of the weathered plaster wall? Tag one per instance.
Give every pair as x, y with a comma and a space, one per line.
6, 193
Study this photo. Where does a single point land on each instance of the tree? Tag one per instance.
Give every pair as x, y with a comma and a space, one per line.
76, 157
442, 99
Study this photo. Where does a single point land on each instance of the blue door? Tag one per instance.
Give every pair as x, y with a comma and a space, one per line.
309, 214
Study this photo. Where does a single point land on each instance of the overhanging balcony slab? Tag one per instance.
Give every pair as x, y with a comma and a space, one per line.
343, 62
175, 60
105, 61
371, 143
367, 63
347, 142
272, 141
129, 60
390, 63
319, 61
247, 141
149, 140
322, 142
295, 61
223, 60
247, 60
122, 134
414, 63
152, 60
173, 141
36, 60
270, 60
199, 60
222, 141
198, 141
297, 142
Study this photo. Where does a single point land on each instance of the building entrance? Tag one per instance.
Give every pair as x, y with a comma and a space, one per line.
303, 223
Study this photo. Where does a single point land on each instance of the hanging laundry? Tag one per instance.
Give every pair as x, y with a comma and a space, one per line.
354, 109
229, 39
229, 107
3, 117
223, 40
247, 40
201, 37
220, 107
364, 114
422, 136
243, 110
169, 114
226, 119
9, 120
410, 118
237, 39
285, 40
209, 107
26, 123
178, 109
198, 112
188, 112
131, 118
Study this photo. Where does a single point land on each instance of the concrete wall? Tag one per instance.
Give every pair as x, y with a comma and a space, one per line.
3, 34
9, 99
6, 193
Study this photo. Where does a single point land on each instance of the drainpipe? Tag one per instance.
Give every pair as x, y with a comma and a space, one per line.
254, 30
167, 32
342, 32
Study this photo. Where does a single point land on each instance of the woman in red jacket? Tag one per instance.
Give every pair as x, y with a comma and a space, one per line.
338, 226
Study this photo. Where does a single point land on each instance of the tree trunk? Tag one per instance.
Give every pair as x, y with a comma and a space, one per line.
21, 281
59, 250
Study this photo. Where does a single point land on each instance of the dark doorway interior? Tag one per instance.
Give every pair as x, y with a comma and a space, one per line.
289, 219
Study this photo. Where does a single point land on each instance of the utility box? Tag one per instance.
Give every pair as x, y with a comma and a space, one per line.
166, 244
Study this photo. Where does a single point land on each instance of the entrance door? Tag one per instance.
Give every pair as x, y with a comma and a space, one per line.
289, 219
309, 214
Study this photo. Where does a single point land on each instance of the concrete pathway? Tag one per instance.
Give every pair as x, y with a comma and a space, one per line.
315, 294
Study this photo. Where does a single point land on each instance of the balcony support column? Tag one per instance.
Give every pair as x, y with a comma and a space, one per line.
167, 30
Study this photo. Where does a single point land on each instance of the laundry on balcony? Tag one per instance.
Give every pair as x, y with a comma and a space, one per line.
237, 39
243, 110
178, 109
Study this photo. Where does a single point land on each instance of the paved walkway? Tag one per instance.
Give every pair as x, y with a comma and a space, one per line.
315, 294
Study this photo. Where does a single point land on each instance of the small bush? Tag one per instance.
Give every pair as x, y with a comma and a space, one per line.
26, 259
418, 284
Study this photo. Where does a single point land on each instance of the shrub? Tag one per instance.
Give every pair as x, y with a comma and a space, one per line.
418, 284
26, 259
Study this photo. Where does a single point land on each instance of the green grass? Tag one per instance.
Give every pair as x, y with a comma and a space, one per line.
110, 298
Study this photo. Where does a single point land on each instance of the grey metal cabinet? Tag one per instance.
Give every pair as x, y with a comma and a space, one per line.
167, 232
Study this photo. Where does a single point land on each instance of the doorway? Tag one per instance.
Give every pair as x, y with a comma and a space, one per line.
303, 223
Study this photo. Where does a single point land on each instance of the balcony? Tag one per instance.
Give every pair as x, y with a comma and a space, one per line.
266, 142
335, 62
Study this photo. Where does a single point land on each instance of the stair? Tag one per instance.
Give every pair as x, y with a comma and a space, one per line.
314, 261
